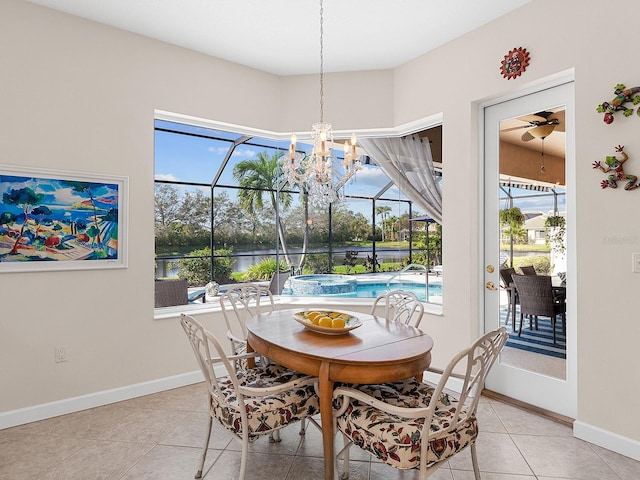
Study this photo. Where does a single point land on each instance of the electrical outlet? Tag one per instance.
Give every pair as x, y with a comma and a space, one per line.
635, 265
61, 353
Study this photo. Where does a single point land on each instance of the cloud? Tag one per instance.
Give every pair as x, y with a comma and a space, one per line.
166, 176
247, 152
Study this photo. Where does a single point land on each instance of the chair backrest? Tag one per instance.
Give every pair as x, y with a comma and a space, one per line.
277, 282
476, 362
204, 343
536, 294
243, 301
171, 292
528, 270
505, 276
400, 306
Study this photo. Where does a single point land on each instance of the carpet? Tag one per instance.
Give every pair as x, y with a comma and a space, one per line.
537, 341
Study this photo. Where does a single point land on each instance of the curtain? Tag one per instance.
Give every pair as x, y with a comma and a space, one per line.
408, 162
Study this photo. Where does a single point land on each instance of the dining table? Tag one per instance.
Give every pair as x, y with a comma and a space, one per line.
377, 351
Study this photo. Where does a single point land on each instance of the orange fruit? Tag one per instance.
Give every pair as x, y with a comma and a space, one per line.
325, 321
337, 323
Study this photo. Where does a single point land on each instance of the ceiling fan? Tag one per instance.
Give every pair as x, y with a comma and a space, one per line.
540, 125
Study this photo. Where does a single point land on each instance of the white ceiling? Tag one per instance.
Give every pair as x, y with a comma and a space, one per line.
283, 36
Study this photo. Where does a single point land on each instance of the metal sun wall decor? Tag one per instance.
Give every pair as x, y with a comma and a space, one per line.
52, 220
623, 95
614, 166
514, 63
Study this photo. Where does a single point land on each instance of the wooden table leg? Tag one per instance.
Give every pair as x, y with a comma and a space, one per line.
326, 418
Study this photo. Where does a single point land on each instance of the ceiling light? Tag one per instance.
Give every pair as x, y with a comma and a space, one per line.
315, 173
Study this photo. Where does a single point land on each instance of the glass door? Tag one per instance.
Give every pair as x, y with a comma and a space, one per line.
526, 220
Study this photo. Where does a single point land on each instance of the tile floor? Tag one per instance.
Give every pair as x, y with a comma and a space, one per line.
158, 437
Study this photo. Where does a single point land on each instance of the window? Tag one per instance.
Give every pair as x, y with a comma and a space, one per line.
223, 214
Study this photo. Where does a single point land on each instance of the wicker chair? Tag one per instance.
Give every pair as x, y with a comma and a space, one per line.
412, 424
528, 270
537, 299
506, 275
171, 292
252, 402
400, 306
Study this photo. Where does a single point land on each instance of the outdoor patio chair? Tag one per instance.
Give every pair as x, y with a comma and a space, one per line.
171, 292
537, 299
400, 306
276, 285
506, 275
412, 424
528, 270
248, 403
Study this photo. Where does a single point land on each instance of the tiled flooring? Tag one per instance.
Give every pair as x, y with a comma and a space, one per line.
158, 437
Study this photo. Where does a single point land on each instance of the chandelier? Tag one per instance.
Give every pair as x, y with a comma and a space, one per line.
315, 173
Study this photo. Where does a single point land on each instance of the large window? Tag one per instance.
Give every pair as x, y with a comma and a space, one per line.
224, 213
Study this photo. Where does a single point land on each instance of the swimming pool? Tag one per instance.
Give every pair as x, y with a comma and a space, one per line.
352, 287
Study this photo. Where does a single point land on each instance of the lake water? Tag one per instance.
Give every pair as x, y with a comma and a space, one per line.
243, 259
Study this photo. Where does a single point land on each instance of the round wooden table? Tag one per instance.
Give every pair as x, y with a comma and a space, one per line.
378, 351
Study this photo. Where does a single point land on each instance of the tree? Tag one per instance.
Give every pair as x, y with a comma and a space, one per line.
87, 187
258, 177
167, 205
40, 211
382, 211
24, 197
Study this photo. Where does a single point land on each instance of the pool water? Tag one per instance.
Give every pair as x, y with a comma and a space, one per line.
372, 290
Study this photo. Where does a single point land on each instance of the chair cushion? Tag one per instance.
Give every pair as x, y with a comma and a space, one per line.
269, 412
396, 440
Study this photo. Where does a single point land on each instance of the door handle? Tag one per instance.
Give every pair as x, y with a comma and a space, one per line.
490, 286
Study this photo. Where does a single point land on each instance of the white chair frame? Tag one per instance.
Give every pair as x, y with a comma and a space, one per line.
401, 306
202, 342
476, 362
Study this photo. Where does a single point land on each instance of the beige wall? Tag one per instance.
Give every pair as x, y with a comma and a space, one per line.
79, 96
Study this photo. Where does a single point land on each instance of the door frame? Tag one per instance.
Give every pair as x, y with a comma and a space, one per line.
569, 405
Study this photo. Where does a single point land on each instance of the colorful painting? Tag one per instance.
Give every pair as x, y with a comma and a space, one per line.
61, 220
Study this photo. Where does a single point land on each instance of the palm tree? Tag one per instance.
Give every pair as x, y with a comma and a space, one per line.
382, 211
258, 177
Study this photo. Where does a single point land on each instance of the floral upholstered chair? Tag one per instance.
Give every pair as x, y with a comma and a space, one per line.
411, 424
251, 402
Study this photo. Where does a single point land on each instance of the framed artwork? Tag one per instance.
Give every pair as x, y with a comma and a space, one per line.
56, 220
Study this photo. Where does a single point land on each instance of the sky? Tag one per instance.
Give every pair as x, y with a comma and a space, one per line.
191, 158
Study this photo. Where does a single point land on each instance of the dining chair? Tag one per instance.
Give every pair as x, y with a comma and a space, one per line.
401, 306
537, 299
528, 270
249, 403
412, 424
506, 275
240, 302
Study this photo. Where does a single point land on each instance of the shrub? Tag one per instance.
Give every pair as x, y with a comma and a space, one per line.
541, 263
197, 269
263, 270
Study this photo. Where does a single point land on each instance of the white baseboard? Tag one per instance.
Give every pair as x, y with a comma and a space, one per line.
605, 439
75, 404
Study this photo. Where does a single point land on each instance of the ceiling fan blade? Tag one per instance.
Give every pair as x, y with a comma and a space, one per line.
559, 116
533, 118
515, 128
527, 137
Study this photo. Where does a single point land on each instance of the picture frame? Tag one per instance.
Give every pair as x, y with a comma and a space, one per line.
61, 220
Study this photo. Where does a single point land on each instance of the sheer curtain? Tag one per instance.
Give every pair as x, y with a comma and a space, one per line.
408, 162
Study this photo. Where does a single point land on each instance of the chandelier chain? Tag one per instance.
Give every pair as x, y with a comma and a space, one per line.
321, 63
